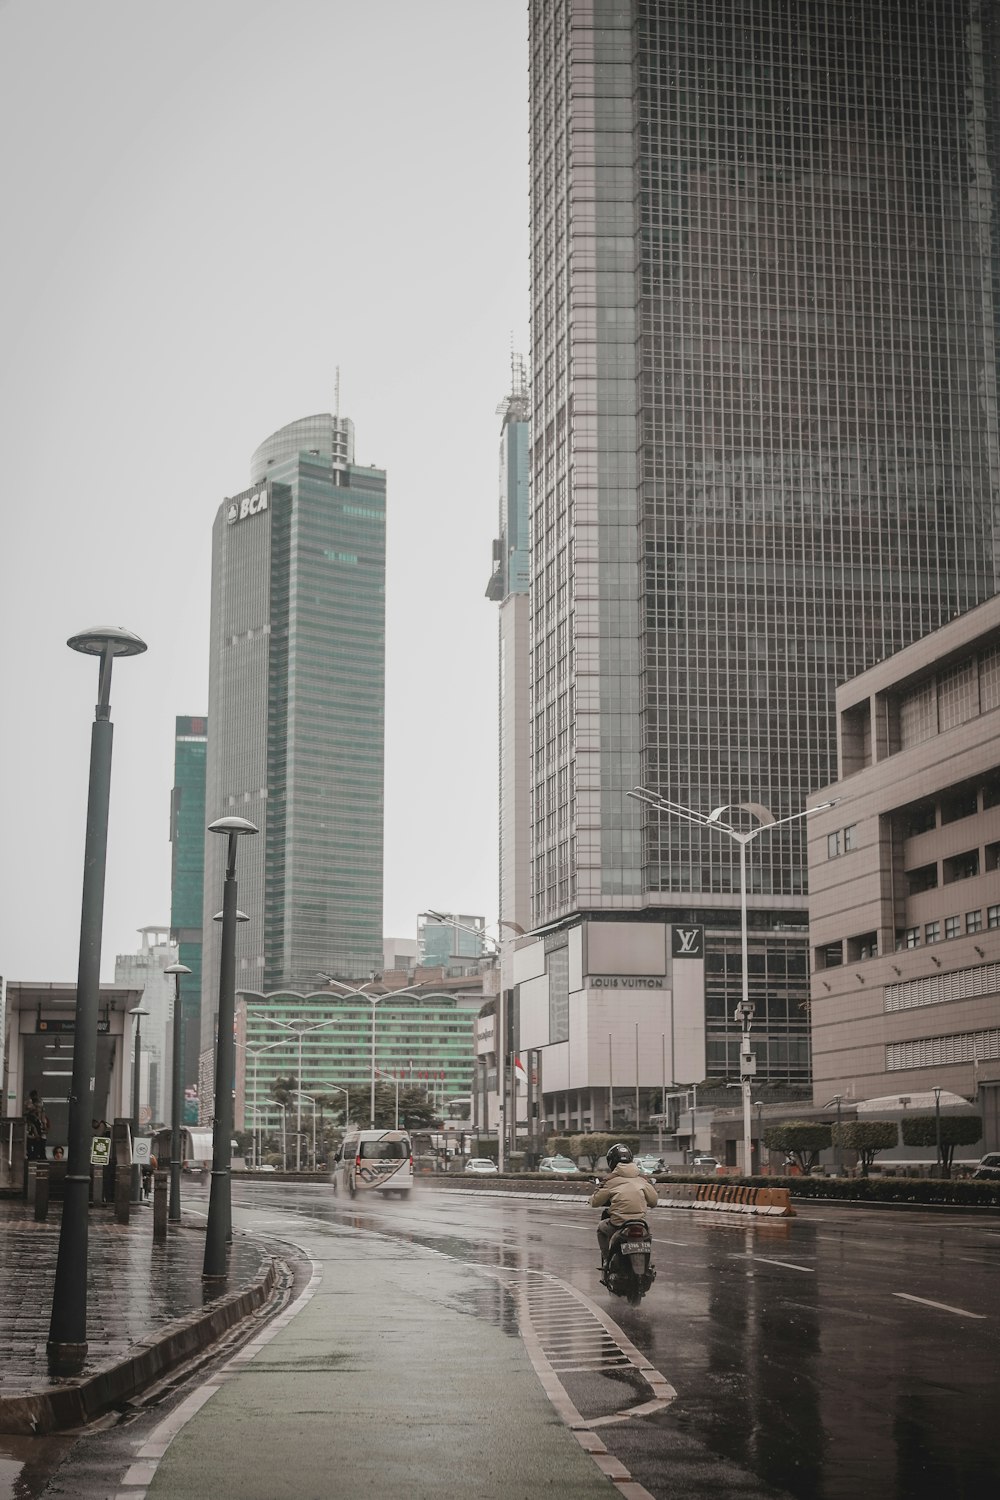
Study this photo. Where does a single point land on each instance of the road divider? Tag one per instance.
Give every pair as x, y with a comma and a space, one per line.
722, 1197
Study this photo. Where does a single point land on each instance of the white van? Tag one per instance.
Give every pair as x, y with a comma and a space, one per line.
378, 1160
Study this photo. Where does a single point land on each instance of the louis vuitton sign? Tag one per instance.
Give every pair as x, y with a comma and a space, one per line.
687, 941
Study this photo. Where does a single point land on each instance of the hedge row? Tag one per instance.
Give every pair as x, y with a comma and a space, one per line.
955, 1191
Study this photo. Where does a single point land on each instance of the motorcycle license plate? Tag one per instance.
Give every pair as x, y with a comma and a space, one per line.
639, 1247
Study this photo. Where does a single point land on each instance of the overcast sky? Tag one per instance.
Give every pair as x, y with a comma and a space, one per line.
209, 206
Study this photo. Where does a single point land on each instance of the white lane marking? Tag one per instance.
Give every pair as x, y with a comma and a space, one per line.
531, 1289
942, 1306
765, 1260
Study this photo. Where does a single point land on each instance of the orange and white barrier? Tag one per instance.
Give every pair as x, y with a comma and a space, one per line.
727, 1198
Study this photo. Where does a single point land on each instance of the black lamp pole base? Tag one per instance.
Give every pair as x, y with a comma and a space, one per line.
65, 1359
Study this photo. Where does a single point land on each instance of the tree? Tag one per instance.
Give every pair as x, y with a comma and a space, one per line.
559, 1145
597, 1145
283, 1090
867, 1138
416, 1110
803, 1140
956, 1130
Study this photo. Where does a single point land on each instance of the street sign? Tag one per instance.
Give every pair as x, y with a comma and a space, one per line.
100, 1151
142, 1150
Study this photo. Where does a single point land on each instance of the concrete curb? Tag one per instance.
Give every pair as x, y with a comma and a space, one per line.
73, 1403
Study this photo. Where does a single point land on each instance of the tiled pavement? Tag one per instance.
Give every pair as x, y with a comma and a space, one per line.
136, 1287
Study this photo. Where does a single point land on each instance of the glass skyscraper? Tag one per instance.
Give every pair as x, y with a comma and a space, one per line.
187, 885
296, 712
509, 587
764, 431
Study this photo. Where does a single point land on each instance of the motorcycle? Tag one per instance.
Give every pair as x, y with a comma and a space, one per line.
628, 1271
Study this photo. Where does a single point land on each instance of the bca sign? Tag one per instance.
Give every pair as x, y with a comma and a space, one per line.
688, 942
249, 505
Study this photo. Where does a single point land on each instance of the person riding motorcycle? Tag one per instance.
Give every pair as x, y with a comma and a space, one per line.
624, 1194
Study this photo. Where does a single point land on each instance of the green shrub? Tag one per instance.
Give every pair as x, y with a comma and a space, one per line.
955, 1130
935, 1190
801, 1139
597, 1145
867, 1138
559, 1145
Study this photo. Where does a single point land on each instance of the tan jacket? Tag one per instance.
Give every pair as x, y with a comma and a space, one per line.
627, 1192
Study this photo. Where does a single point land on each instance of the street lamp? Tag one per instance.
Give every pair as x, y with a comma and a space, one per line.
177, 1095
253, 1053
937, 1125
219, 1201
347, 991
337, 1089
136, 1174
501, 1021
312, 1101
713, 821
301, 1027
395, 1079
67, 1343
836, 1100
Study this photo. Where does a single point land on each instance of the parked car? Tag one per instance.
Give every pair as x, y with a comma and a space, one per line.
481, 1165
557, 1164
989, 1167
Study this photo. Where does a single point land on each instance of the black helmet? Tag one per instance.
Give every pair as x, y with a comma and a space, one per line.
617, 1155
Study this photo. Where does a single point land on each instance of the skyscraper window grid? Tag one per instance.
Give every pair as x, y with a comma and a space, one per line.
779, 218
296, 694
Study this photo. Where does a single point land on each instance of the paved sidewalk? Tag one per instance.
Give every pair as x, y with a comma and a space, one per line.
397, 1372
146, 1307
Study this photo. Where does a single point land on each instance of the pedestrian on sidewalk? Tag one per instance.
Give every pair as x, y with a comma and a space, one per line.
148, 1168
36, 1127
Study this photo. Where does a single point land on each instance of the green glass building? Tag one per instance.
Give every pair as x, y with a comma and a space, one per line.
187, 885
296, 712
425, 1041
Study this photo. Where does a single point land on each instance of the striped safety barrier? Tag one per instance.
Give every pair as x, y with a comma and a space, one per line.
725, 1197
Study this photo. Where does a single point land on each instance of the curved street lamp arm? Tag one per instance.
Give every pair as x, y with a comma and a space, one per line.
710, 821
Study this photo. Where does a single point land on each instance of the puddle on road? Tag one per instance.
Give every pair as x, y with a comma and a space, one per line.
28, 1463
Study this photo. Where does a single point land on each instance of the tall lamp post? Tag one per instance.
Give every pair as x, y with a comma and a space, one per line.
176, 1095
301, 1027
312, 1101
714, 822
67, 1343
391, 1078
347, 991
138, 1011
219, 1201
253, 1053
937, 1125
837, 1100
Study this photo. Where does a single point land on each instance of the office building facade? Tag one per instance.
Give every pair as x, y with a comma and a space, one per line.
423, 1041
450, 942
509, 589
764, 443
296, 712
187, 887
904, 878
144, 970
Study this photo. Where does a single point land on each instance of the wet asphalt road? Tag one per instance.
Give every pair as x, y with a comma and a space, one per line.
843, 1354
